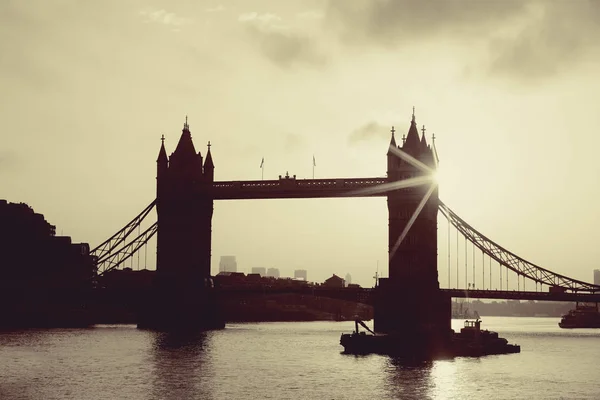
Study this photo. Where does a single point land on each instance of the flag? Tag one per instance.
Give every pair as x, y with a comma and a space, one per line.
262, 162
314, 163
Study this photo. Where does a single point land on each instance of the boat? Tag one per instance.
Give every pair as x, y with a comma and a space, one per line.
471, 341
583, 316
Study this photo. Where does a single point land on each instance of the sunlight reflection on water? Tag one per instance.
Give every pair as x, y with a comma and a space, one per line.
288, 361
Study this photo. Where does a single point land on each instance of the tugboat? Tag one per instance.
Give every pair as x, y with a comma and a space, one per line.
471, 341
583, 316
474, 342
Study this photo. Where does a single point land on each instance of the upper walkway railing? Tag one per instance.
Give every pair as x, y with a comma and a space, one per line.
290, 188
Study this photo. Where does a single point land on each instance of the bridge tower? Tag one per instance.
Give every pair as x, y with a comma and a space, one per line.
183, 288
409, 300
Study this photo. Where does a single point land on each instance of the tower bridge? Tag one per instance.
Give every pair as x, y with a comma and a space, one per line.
186, 191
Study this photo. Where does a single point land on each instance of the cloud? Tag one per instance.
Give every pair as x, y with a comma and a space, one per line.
279, 43
518, 38
8, 161
370, 130
393, 22
164, 17
218, 8
264, 19
292, 142
310, 15
563, 34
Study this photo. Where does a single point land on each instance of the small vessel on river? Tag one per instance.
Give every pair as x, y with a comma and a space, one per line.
583, 316
471, 341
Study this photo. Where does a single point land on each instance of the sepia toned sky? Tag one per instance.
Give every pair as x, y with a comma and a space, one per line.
510, 89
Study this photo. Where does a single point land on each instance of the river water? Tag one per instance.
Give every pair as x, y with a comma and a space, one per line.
289, 361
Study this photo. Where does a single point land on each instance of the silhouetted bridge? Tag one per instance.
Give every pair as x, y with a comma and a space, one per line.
183, 171
292, 188
365, 295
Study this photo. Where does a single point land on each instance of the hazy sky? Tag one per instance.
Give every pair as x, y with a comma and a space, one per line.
510, 88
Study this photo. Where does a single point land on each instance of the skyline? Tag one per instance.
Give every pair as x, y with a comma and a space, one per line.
516, 139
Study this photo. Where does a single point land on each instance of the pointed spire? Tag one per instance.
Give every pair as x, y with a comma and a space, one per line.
185, 146
208, 163
412, 138
209, 167
393, 141
423, 139
162, 154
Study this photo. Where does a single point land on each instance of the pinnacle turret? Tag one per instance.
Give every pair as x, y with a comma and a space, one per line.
392, 141
423, 140
162, 154
412, 138
209, 167
185, 147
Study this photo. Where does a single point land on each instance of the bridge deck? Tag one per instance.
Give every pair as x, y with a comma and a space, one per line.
292, 188
522, 295
364, 295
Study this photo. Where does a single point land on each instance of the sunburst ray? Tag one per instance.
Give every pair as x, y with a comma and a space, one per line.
412, 219
411, 160
390, 186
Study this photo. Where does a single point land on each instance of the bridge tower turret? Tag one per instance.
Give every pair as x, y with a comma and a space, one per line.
209, 167
162, 168
183, 294
184, 211
391, 157
413, 277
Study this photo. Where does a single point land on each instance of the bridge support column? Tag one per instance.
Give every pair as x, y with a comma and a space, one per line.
418, 318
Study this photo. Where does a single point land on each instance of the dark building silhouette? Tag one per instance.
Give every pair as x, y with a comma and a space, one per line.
334, 281
183, 286
184, 214
301, 274
413, 276
31, 255
42, 276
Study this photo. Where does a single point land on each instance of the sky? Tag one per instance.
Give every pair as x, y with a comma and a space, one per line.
510, 89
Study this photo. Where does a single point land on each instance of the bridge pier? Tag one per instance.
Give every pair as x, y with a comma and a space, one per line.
412, 315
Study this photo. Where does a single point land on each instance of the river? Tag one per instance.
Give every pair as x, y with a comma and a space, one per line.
296, 360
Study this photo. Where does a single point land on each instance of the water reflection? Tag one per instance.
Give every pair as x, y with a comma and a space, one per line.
408, 379
181, 367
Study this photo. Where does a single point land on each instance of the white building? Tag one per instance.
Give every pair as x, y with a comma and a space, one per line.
228, 264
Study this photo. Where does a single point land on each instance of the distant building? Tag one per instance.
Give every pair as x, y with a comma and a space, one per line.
262, 271
300, 274
334, 281
228, 264
348, 279
597, 277
273, 272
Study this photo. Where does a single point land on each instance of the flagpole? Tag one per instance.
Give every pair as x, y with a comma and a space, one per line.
313, 166
262, 169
